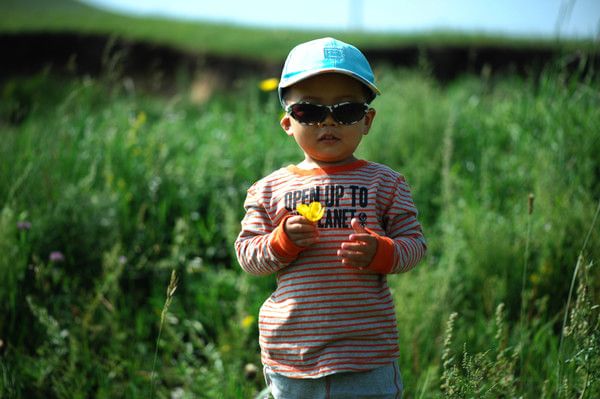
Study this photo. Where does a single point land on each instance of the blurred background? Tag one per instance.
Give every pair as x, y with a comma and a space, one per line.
130, 132
553, 18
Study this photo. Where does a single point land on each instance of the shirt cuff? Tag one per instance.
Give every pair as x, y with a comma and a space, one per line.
281, 243
383, 260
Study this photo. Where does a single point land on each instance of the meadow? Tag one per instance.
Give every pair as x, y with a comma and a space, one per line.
105, 190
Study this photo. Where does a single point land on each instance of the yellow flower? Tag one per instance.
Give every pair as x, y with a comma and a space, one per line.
268, 84
313, 212
140, 119
247, 321
534, 278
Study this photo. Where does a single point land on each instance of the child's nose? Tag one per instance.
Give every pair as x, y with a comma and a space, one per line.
329, 120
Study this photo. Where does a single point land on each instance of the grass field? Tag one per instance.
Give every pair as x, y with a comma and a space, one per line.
104, 191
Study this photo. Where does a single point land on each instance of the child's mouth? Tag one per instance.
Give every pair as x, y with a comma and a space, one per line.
328, 138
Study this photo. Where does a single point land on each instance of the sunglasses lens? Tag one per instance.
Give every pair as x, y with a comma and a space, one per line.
308, 113
344, 113
349, 113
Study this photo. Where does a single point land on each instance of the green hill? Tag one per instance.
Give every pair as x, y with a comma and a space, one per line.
259, 43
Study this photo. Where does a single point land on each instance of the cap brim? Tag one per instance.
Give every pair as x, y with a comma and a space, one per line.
308, 74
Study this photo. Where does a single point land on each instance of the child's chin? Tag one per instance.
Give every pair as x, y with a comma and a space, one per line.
336, 160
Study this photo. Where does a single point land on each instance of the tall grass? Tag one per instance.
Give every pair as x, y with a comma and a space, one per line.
169, 298
127, 186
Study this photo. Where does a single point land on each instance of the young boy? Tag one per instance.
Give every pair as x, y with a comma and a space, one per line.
329, 329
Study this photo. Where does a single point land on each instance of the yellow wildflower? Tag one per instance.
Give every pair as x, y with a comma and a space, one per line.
534, 278
140, 120
247, 321
313, 212
269, 84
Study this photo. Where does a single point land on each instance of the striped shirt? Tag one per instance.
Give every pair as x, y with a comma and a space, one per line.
325, 317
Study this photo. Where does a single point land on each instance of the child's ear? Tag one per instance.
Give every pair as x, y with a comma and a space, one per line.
368, 120
286, 124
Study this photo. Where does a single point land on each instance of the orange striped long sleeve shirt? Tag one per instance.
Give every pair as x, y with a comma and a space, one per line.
325, 317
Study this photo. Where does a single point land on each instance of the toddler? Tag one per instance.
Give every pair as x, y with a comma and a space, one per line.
329, 330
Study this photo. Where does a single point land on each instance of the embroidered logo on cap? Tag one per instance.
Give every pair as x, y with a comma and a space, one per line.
333, 53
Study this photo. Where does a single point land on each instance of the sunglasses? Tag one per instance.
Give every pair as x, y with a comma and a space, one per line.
346, 113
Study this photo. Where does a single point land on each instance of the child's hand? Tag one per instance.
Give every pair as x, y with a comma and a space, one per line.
301, 231
359, 251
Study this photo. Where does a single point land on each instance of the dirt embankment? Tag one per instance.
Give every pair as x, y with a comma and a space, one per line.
150, 65
158, 67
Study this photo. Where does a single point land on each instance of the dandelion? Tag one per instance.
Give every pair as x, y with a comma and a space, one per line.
268, 84
313, 212
23, 225
57, 257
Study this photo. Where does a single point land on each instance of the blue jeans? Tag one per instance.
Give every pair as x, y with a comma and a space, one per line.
381, 383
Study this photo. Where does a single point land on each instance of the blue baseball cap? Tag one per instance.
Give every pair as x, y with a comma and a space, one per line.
323, 56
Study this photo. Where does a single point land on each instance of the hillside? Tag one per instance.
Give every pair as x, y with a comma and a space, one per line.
263, 44
71, 36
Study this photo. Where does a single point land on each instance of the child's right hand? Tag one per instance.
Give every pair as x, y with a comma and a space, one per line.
301, 231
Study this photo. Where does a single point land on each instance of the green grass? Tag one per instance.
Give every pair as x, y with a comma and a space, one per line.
270, 45
130, 186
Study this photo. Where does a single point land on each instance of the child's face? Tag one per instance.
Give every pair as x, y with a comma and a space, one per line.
328, 143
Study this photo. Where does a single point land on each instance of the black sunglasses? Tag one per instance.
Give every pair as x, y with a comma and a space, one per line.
346, 113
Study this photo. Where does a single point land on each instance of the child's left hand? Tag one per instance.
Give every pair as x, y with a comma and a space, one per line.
359, 251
